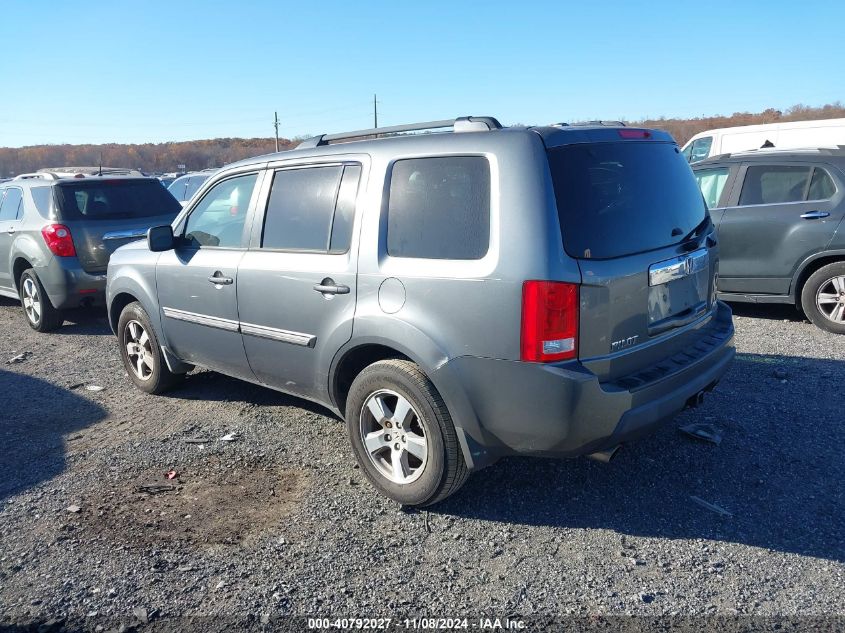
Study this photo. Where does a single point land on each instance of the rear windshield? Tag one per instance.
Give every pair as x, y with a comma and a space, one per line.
616, 199
114, 199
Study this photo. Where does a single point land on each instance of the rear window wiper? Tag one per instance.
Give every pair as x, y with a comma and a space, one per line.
705, 223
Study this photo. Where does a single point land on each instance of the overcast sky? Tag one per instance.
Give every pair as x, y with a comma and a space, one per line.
150, 71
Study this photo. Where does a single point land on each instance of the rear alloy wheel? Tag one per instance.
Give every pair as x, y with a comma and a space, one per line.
823, 298
141, 353
39, 310
402, 434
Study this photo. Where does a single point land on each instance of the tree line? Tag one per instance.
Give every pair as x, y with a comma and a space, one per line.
202, 154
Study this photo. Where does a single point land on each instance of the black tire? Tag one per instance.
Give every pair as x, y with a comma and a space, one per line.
44, 318
152, 375
822, 281
444, 470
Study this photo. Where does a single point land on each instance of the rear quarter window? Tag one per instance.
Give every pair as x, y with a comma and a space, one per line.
617, 199
439, 208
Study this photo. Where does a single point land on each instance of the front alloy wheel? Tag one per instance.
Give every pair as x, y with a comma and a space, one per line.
139, 350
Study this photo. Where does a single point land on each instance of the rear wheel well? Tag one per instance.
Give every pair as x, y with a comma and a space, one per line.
18, 267
809, 270
118, 303
353, 363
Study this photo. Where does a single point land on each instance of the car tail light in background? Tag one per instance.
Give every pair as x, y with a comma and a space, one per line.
58, 239
549, 321
634, 133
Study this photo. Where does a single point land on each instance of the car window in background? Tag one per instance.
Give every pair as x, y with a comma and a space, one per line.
94, 199
712, 183
774, 184
701, 148
687, 152
177, 188
42, 197
193, 185
218, 220
439, 208
821, 187
10, 209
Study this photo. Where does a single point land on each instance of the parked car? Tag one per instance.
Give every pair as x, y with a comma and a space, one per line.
184, 187
456, 297
779, 215
56, 235
787, 135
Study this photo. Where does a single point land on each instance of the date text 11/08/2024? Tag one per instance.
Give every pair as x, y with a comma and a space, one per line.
416, 624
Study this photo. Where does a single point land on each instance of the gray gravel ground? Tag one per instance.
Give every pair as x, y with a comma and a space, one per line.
280, 522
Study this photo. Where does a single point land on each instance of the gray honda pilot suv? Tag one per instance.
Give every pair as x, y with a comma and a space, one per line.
455, 296
56, 235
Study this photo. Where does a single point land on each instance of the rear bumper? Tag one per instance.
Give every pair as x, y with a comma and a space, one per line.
510, 407
69, 286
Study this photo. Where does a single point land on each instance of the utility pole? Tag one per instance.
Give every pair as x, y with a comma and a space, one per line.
276, 125
375, 112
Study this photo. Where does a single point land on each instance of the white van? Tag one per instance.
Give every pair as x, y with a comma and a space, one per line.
791, 135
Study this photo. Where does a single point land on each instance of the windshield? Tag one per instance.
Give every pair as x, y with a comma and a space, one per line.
113, 199
616, 199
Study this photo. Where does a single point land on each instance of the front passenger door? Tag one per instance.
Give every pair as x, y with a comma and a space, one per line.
197, 281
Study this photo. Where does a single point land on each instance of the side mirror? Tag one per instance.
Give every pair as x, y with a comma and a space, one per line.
160, 238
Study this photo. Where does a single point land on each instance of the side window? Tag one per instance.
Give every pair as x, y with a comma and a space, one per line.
42, 196
687, 152
821, 186
11, 206
712, 183
701, 148
177, 188
439, 208
218, 220
774, 184
311, 209
344, 212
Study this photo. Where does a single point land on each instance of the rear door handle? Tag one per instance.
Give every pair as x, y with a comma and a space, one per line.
328, 287
218, 279
815, 215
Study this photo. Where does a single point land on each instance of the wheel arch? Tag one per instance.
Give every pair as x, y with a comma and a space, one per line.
809, 267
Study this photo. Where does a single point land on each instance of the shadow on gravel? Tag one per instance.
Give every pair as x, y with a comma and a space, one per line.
771, 311
214, 387
35, 421
88, 321
778, 471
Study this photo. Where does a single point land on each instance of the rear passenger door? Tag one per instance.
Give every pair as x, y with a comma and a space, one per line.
778, 215
11, 212
297, 282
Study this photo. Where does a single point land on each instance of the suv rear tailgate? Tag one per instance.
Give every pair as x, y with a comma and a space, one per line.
633, 217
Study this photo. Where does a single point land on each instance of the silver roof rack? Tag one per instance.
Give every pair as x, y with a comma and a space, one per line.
461, 124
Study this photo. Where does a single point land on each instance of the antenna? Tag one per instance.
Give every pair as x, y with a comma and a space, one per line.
276, 125
100, 172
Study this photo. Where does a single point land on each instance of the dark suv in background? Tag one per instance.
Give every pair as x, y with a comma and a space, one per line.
56, 236
455, 296
779, 218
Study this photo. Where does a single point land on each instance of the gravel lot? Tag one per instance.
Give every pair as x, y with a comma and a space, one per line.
279, 522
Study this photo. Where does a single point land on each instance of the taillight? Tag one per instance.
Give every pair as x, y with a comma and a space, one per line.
58, 239
549, 321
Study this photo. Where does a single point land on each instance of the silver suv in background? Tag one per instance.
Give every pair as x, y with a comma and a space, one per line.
56, 236
455, 296
184, 187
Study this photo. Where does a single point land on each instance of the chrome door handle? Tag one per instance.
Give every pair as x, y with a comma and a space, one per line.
327, 287
815, 215
218, 279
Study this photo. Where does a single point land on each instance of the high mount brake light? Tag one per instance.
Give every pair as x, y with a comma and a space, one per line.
634, 133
